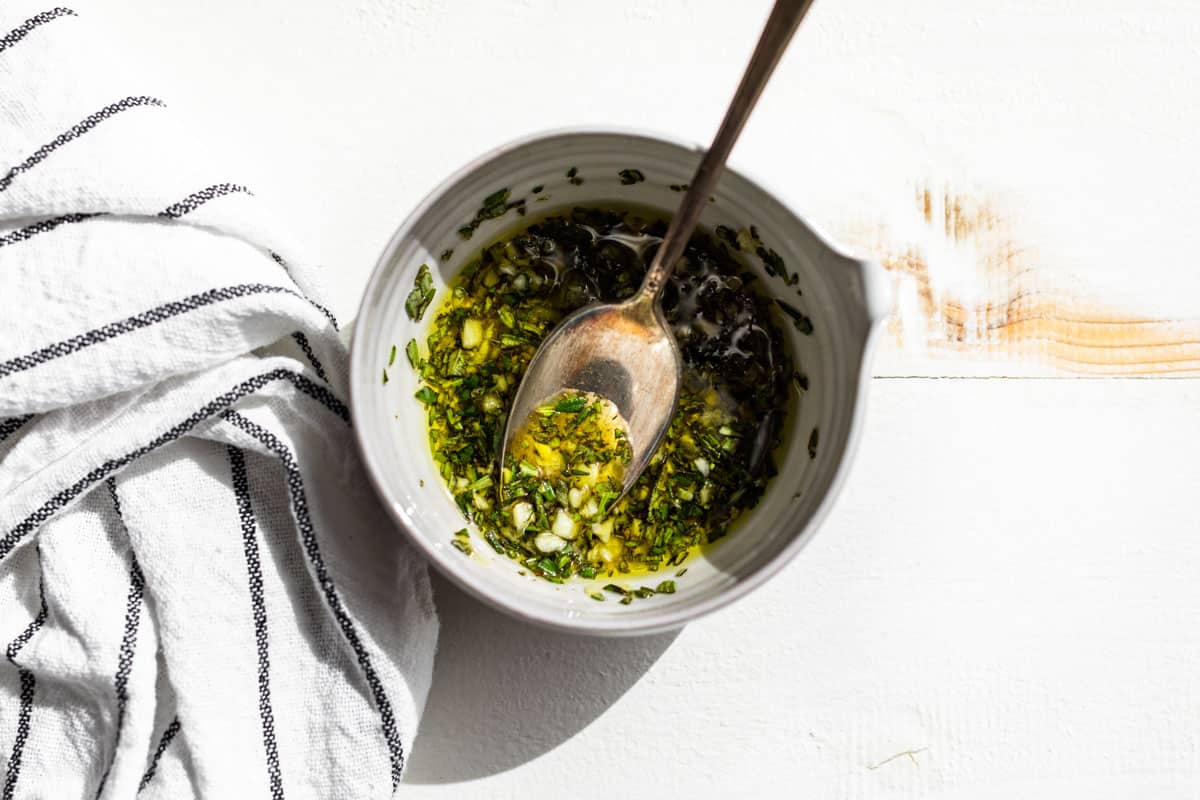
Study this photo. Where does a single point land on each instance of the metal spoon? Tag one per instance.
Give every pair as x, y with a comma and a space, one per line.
625, 352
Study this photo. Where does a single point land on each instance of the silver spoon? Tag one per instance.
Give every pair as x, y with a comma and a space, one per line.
625, 352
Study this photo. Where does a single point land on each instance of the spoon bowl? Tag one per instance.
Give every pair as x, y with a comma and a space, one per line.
624, 352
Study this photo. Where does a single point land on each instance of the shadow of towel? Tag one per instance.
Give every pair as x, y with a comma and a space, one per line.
505, 692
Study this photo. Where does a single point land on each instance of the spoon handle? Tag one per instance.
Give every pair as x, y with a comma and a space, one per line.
785, 18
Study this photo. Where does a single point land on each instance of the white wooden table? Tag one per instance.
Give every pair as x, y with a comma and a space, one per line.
1005, 601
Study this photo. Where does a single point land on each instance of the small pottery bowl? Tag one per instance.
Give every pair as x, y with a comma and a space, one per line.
845, 298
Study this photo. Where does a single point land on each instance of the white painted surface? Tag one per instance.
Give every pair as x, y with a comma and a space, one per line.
1009, 584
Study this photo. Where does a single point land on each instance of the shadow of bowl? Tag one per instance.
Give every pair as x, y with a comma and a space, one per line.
505, 692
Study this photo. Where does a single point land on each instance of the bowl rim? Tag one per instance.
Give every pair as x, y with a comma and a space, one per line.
650, 622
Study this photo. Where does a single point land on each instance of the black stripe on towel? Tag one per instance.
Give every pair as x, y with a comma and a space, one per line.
163, 743
306, 348
133, 613
75, 131
28, 688
308, 537
11, 425
41, 226
138, 321
193, 201
328, 314
213, 407
21, 31
241, 489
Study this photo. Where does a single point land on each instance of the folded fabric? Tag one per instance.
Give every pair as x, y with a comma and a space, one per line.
199, 594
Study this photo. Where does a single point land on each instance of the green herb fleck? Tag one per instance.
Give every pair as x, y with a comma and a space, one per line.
631, 176
727, 235
385, 376
537, 189
392, 356
447, 254
413, 354
812, 444
773, 263
627, 599
596, 596
801, 321
426, 395
679, 187
666, 587
573, 177
681, 573
421, 295
571, 405
461, 546
612, 587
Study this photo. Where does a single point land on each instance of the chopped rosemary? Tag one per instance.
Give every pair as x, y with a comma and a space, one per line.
421, 295
799, 319
631, 176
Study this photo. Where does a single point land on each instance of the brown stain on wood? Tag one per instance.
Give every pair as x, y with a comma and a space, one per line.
1015, 310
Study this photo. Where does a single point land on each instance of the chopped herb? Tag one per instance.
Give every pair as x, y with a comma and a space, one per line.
679, 187
392, 356
681, 573
812, 444
612, 587
772, 262
494, 205
555, 505
800, 320
413, 354
801, 381
421, 295
537, 189
573, 177
572, 172
631, 176
461, 546
447, 254
727, 235
463, 533
666, 587
385, 376
571, 405
627, 599
596, 596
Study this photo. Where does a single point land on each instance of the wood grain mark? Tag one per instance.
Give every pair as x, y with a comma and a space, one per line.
966, 287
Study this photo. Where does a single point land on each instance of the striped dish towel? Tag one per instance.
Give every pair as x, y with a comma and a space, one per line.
199, 594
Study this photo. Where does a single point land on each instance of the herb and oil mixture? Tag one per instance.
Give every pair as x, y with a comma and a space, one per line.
558, 513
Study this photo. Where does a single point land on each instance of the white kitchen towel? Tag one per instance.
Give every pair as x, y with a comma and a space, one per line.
199, 594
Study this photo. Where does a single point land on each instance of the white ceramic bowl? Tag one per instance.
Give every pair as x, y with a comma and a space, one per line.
844, 298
